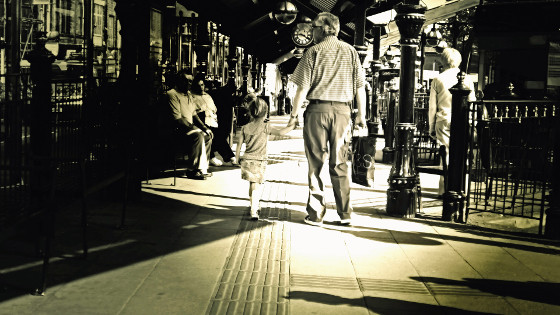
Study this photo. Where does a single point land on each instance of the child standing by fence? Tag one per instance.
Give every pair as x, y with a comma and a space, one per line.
254, 160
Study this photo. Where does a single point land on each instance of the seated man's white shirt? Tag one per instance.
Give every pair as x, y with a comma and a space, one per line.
181, 105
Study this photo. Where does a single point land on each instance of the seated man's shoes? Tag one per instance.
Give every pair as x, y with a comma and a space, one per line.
255, 215
311, 222
195, 174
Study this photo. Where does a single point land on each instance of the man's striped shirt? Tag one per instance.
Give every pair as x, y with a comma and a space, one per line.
331, 70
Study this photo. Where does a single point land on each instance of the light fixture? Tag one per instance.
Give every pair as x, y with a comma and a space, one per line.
433, 37
285, 12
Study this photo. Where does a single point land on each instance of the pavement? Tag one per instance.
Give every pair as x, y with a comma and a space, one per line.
191, 249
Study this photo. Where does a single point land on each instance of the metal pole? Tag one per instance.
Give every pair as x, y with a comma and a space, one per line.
15, 36
552, 227
373, 123
41, 61
389, 132
88, 38
422, 56
454, 196
403, 181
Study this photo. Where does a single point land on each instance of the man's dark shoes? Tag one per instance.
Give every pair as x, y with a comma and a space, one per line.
196, 174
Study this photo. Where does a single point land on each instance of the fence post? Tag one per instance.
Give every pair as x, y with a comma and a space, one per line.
403, 183
41, 60
552, 227
454, 196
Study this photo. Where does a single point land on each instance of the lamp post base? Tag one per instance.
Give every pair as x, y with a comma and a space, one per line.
453, 206
373, 128
552, 227
402, 196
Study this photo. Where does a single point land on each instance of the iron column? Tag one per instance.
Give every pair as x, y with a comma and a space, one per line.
454, 196
403, 180
552, 227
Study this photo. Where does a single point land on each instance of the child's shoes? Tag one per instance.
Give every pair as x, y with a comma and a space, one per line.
255, 214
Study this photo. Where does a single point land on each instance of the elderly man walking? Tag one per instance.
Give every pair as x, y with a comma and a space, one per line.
329, 75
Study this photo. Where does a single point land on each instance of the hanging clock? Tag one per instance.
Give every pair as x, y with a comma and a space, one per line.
302, 34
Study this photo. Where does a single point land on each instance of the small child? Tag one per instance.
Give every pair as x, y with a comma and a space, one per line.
253, 162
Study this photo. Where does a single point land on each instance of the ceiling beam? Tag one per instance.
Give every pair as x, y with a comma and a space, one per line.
379, 7
306, 9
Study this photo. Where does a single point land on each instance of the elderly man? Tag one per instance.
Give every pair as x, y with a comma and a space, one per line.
329, 75
191, 133
439, 115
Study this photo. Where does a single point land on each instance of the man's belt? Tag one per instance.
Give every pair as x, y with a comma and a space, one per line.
311, 102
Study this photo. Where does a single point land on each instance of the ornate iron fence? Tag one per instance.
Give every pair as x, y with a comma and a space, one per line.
15, 190
511, 154
426, 147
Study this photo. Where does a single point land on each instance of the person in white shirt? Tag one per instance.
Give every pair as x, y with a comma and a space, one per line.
439, 113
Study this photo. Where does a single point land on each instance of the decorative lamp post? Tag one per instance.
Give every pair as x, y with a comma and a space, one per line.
403, 180
389, 131
375, 66
373, 122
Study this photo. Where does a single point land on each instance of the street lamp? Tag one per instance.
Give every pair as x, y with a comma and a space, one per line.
433, 37
285, 12
393, 57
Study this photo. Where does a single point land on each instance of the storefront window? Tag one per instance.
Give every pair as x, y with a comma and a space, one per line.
98, 20
111, 29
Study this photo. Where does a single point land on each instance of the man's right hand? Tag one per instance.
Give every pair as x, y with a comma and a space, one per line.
292, 121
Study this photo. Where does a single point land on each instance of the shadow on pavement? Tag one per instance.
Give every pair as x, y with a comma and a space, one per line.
542, 292
155, 227
378, 305
425, 238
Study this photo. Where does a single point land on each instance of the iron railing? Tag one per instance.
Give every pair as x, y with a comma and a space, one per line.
511, 155
426, 147
15, 190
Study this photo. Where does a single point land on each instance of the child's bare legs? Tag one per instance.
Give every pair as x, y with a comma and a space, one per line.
254, 198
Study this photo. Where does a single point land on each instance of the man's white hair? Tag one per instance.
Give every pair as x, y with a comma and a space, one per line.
451, 57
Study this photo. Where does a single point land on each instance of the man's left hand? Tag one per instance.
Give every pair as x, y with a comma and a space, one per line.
209, 133
360, 122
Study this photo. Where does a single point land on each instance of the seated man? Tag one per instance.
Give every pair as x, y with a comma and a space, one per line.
190, 133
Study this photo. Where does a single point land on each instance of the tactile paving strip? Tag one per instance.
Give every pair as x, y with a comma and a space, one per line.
324, 282
443, 289
381, 285
255, 279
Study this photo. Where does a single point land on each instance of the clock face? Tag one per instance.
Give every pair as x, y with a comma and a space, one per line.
302, 34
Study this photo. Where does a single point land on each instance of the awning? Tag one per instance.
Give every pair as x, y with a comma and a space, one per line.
438, 10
